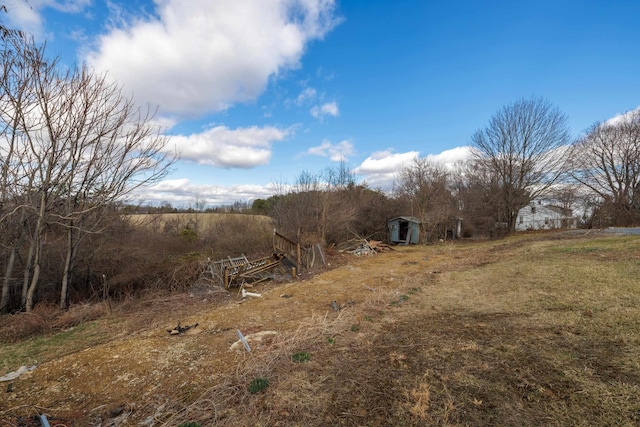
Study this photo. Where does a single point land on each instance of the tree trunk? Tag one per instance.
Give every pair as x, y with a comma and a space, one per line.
10, 266
72, 247
38, 237
35, 278
513, 220
27, 273
4, 302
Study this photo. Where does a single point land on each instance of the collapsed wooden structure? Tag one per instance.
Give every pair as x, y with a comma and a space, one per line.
239, 270
235, 271
301, 257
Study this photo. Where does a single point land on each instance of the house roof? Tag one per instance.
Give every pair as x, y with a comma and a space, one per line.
406, 218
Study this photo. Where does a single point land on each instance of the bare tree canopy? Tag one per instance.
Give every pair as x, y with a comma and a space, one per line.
318, 207
522, 148
70, 145
425, 187
607, 161
6, 32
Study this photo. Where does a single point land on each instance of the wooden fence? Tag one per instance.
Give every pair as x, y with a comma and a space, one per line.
301, 257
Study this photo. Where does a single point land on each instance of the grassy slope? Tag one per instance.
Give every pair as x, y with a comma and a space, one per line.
532, 330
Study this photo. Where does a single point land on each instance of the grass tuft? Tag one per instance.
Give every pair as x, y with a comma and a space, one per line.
258, 385
301, 356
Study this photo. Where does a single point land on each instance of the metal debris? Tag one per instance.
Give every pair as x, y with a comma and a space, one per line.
44, 421
15, 374
257, 339
244, 341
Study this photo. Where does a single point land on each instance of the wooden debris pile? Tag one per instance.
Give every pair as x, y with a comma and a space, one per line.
362, 247
379, 246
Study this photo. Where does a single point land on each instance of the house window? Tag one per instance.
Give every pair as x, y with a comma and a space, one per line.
546, 221
521, 219
533, 209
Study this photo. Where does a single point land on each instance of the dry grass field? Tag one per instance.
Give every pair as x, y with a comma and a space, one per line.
204, 220
539, 329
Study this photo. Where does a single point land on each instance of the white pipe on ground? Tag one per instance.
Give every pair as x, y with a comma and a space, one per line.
250, 294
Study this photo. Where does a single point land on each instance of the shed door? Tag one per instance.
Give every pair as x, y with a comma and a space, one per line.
404, 230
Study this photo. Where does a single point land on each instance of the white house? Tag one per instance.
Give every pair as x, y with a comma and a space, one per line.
536, 216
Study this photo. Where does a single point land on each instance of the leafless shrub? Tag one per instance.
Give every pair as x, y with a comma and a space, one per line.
46, 318
238, 234
22, 325
78, 314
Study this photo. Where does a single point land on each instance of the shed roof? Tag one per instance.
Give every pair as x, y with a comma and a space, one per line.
406, 218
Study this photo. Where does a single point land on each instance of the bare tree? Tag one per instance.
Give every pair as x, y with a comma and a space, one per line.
16, 185
565, 195
115, 149
337, 211
425, 185
607, 162
476, 192
6, 32
316, 208
84, 146
522, 146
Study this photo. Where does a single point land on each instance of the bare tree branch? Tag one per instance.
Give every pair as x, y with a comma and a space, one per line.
523, 145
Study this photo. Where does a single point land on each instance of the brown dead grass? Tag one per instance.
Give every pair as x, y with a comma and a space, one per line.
533, 330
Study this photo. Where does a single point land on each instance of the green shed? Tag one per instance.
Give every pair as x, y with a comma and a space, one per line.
404, 230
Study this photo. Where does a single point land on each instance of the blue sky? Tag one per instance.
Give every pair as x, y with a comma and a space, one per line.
253, 92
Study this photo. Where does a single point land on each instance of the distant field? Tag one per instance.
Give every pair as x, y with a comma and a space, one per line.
203, 221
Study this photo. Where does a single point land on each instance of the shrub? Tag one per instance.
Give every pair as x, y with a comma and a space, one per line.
188, 234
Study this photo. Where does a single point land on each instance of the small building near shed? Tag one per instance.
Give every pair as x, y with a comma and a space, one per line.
404, 230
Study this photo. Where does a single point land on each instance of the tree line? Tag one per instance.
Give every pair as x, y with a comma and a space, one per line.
525, 153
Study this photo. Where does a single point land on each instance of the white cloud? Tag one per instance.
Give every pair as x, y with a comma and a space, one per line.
380, 168
621, 118
386, 161
26, 15
307, 94
327, 109
205, 55
450, 157
335, 152
229, 148
20, 15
